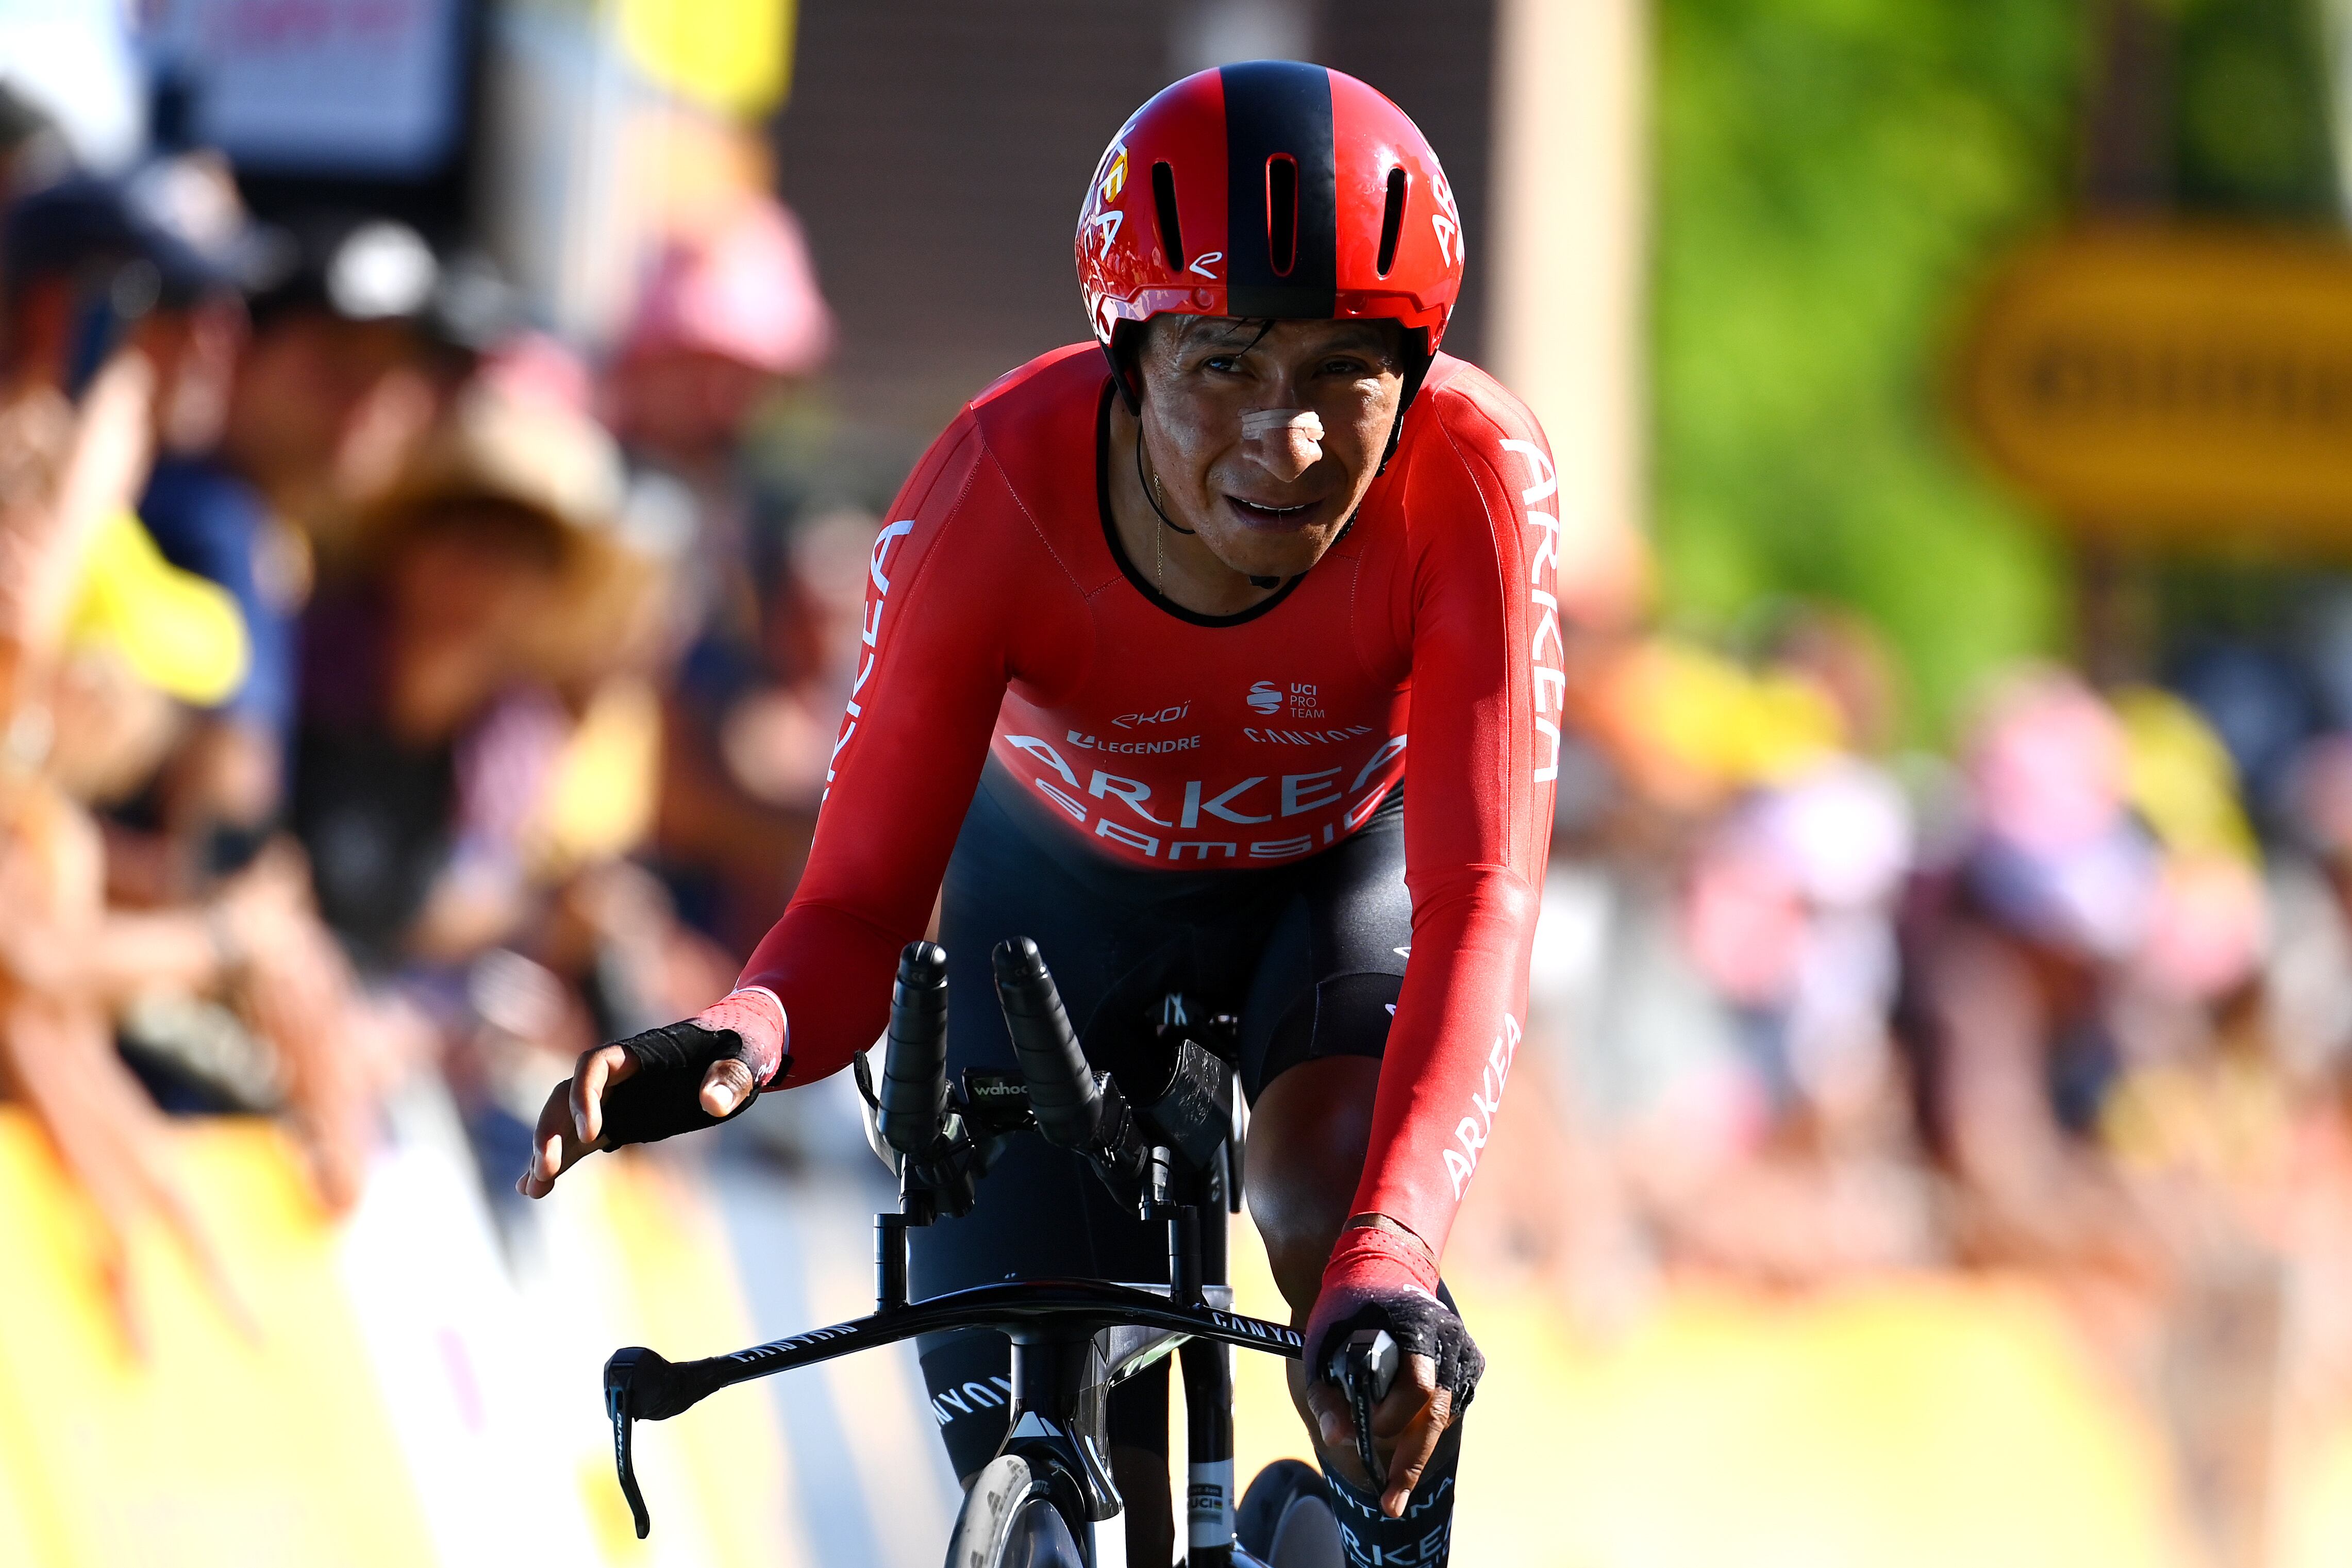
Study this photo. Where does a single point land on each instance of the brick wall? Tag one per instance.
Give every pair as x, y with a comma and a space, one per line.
936, 149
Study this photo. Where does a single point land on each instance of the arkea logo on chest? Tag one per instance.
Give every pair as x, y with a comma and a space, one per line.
1175, 820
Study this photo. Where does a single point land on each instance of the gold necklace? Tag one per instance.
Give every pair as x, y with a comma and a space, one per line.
1158, 499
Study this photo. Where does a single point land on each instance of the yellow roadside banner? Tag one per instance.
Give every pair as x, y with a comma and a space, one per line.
2180, 386
405, 1398
217, 1449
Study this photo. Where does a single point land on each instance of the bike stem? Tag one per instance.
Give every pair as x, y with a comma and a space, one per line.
889, 1261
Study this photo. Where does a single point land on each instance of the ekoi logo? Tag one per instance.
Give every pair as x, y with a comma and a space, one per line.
1266, 697
1160, 716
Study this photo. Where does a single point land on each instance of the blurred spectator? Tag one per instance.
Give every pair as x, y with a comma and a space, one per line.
99, 635
2014, 952
153, 261
177, 224
726, 314
777, 740
730, 315
2310, 962
1727, 1046
2098, 935
359, 339
478, 747
433, 715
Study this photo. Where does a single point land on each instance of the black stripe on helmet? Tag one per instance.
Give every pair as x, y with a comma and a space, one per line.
1280, 108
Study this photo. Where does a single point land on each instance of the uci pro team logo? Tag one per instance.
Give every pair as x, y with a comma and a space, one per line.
1301, 700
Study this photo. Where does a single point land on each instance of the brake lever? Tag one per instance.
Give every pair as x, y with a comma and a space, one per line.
620, 1379
1365, 1368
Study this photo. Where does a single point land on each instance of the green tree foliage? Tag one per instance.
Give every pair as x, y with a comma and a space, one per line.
1834, 177
2251, 113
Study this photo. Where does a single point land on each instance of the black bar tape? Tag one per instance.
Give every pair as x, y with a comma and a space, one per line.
1063, 1093
664, 1097
913, 1103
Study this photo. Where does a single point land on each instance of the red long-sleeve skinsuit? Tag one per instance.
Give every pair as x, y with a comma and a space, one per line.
999, 621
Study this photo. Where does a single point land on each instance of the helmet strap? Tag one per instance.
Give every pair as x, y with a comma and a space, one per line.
1417, 358
1122, 372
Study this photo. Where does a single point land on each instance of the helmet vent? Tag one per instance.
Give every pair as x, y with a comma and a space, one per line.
1282, 213
1163, 197
1392, 220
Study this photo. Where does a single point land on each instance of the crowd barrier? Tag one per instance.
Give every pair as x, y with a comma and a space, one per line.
411, 1390
403, 1393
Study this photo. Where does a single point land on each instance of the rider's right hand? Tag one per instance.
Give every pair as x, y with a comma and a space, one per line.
677, 1078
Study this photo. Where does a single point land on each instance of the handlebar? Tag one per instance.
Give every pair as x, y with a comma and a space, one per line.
947, 1141
640, 1385
914, 1093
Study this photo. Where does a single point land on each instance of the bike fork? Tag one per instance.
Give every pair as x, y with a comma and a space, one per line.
1209, 1454
1209, 1499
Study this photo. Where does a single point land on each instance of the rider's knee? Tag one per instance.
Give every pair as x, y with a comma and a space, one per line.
1296, 1247
1306, 1156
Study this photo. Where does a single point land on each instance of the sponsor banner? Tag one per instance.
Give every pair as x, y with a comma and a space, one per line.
372, 88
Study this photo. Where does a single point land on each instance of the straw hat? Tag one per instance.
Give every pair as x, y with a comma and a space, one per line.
498, 444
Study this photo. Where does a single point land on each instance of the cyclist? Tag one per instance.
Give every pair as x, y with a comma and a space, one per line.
1143, 634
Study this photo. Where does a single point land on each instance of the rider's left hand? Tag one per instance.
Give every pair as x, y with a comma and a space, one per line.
1383, 1276
1406, 1426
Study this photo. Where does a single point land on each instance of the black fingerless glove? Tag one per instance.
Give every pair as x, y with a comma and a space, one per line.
1421, 1325
664, 1097
1378, 1280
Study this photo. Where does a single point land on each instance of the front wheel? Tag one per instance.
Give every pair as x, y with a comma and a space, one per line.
1286, 1520
1009, 1520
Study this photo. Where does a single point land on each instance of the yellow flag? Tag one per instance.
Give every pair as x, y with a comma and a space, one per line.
734, 56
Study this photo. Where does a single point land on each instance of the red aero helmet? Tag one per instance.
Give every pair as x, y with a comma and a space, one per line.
1270, 189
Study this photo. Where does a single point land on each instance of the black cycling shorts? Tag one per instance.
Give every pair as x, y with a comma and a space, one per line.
1311, 956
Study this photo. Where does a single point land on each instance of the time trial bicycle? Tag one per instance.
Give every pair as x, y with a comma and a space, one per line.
1169, 1149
